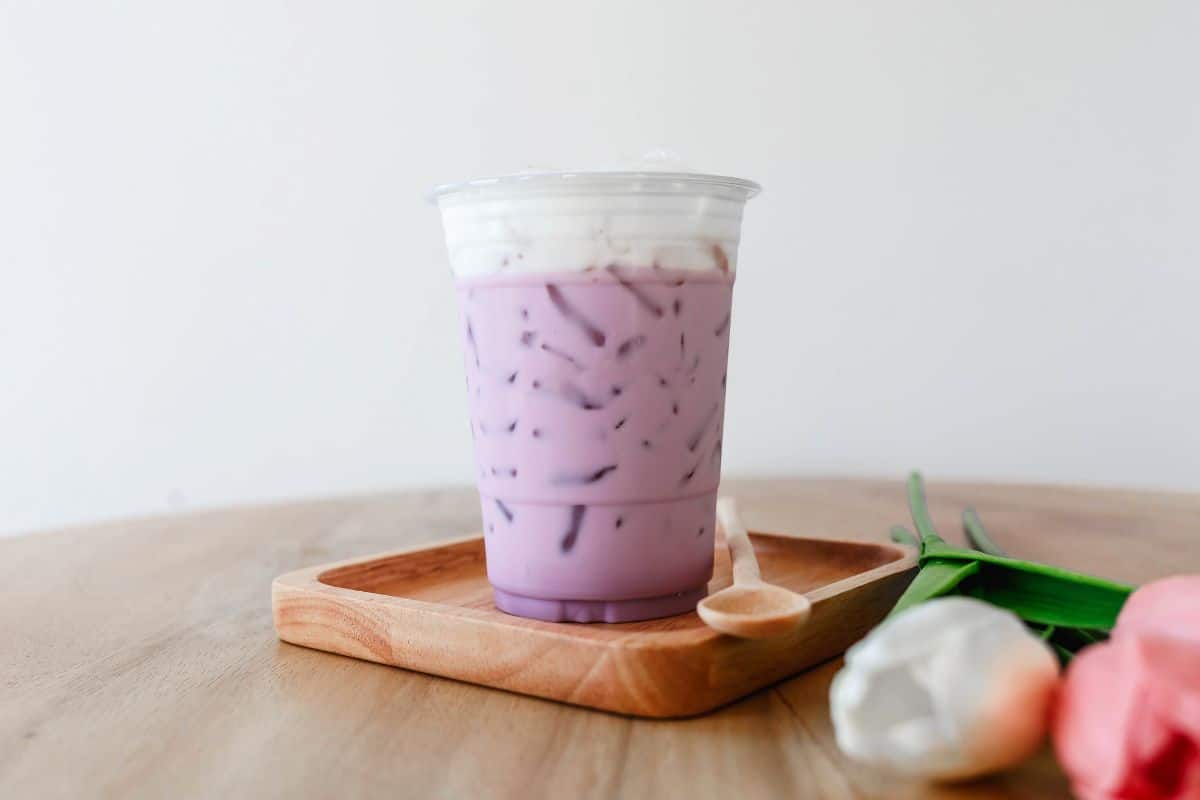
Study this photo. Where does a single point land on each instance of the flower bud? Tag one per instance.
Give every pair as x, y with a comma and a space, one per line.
948, 689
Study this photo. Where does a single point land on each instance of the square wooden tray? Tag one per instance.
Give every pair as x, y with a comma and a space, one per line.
430, 609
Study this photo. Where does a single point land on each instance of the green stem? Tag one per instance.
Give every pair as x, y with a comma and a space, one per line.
902, 535
977, 535
1064, 655
920, 509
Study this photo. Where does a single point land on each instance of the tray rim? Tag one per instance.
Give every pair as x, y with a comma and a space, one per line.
308, 579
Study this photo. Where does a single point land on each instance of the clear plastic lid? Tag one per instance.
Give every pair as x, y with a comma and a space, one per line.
571, 220
600, 182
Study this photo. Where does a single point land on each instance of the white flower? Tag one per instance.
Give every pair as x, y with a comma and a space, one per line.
951, 688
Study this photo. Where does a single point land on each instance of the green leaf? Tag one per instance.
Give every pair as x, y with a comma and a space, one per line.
1075, 609
936, 578
902, 535
977, 535
1039, 592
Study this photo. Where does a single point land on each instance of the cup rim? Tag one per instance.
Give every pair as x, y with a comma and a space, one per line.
634, 181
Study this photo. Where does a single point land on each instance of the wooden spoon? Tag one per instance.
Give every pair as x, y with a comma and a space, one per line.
750, 608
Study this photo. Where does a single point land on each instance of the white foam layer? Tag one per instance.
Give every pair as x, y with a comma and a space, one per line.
570, 222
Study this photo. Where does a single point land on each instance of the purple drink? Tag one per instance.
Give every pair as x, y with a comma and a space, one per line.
597, 390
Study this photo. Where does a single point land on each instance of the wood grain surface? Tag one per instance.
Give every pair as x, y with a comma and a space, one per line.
138, 659
431, 609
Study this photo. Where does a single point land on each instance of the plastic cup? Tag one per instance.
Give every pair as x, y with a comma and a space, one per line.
595, 313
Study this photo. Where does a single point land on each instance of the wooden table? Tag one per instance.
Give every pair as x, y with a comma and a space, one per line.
138, 660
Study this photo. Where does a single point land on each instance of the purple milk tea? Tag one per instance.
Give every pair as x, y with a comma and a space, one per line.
595, 312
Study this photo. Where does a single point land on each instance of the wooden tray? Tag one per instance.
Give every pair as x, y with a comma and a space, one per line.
430, 609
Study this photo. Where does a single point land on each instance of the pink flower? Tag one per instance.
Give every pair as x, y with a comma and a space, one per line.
1170, 606
1127, 725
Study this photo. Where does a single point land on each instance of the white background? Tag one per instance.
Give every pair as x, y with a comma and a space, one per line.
976, 252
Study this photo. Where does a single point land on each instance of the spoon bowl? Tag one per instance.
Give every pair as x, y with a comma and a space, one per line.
756, 611
750, 608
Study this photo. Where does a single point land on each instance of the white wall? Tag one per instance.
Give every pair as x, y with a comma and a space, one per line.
219, 282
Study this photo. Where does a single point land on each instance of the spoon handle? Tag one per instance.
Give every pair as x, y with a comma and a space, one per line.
745, 565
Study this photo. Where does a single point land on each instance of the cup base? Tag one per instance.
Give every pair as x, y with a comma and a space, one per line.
639, 608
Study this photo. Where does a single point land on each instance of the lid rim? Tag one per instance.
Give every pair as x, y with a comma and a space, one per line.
747, 187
